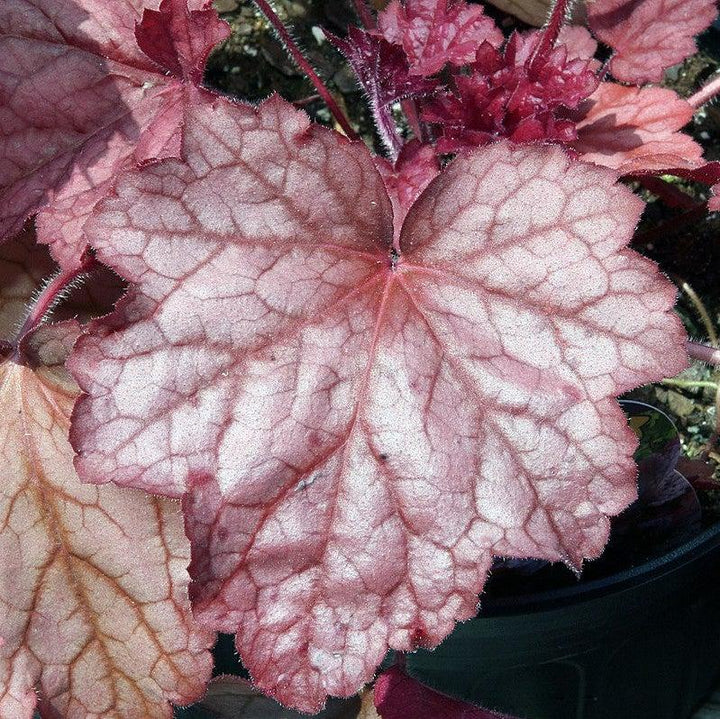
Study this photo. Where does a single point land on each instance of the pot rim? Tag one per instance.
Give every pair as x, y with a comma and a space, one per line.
650, 571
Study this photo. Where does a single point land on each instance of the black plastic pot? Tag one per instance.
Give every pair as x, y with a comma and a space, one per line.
640, 644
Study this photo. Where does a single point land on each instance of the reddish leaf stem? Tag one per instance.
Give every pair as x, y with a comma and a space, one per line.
704, 353
706, 93
669, 194
51, 294
292, 47
363, 12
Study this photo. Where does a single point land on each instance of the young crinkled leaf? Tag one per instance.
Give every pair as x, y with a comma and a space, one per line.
81, 102
648, 36
358, 421
94, 610
399, 696
434, 33
383, 72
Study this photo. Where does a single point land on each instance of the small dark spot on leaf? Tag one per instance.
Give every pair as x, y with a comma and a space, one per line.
383, 457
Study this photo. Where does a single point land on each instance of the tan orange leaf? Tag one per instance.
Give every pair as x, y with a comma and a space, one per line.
93, 583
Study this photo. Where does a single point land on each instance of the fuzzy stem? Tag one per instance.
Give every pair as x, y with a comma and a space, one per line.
702, 352
550, 31
701, 310
301, 61
51, 293
705, 93
388, 130
363, 12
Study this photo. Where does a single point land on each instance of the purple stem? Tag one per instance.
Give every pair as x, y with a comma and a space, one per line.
50, 295
387, 129
702, 352
296, 54
705, 93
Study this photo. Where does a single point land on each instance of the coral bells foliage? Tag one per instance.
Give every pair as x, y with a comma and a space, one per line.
520, 92
359, 419
362, 377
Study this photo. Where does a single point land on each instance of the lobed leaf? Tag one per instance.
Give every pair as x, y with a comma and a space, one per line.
648, 36
95, 620
81, 103
636, 130
434, 33
359, 420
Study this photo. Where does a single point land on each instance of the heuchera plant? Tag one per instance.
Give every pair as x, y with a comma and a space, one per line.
356, 378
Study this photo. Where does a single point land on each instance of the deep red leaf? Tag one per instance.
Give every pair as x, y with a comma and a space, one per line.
648, 36
383, 72
94, 611
180, 39
79, 97
381, 67
434, 33
399, 696
512, 93
360, 421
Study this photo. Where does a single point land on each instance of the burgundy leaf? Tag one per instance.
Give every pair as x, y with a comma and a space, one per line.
381, 67
78, 98
648, 36
434, 33
383, 72
94, 611
399, 696
514, 93
635, 130
180, 39
360, 421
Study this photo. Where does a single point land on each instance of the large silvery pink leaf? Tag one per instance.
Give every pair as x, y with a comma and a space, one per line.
358, 421
79, 98
94, 612
648, 36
